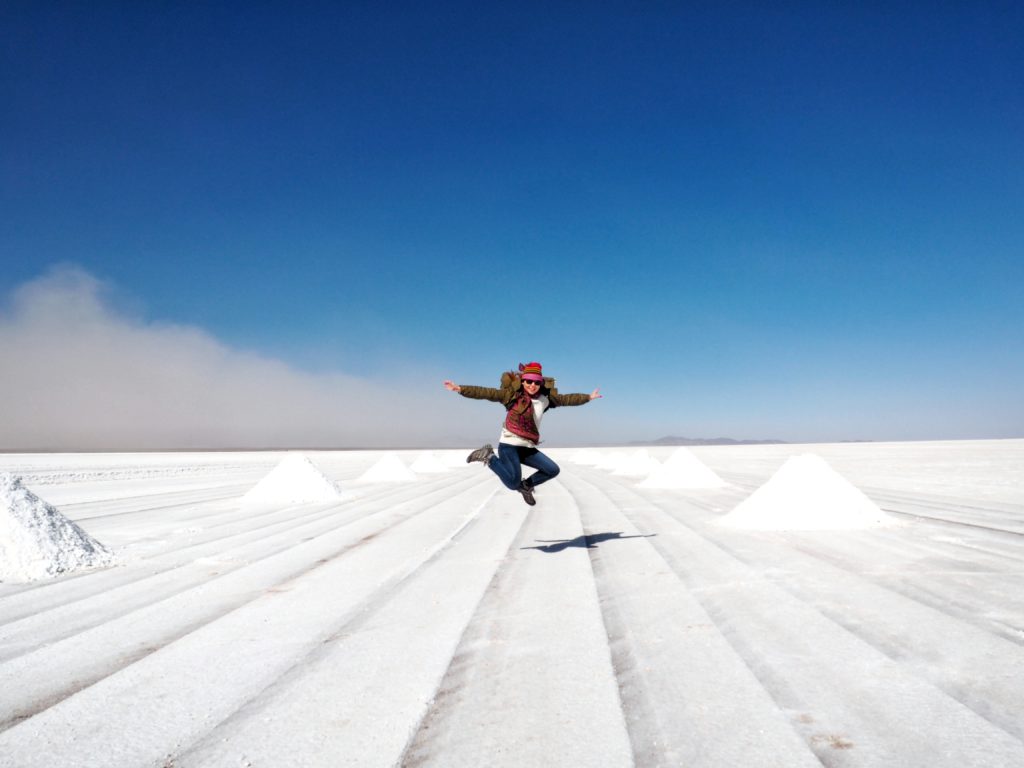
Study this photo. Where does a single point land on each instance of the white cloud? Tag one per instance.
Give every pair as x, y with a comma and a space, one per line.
78, 374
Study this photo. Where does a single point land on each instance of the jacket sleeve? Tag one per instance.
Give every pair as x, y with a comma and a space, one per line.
572, 399
483, 393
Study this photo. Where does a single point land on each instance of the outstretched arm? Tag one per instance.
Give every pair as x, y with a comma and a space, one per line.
476, 393
574, 399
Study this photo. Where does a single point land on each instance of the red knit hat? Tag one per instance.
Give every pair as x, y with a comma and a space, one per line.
531, 372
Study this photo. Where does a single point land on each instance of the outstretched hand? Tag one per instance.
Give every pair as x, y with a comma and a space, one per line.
595, 394
451, 386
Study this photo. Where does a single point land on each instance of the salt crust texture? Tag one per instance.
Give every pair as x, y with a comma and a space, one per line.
295, 480
806, 494
682, 470
37, 541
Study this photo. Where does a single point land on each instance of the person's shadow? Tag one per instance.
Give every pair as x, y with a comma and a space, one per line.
585, 542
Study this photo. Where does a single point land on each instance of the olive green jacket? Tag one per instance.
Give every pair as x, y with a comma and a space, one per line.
519, 418
507, 395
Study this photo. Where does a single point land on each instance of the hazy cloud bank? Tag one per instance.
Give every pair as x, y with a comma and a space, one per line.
78, 374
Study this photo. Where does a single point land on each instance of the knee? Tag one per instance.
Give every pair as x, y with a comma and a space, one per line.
554, 470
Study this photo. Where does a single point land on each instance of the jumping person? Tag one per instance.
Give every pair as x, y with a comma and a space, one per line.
526, 398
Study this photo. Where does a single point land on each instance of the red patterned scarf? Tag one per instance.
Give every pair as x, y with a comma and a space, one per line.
519, 420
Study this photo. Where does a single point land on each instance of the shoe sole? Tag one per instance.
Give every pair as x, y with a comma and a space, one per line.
486, 456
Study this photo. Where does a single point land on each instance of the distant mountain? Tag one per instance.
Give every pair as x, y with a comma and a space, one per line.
705, 441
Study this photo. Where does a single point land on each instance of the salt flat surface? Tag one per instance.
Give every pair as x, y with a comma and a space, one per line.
442, 622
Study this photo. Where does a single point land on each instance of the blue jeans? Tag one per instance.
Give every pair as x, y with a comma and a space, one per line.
507, 462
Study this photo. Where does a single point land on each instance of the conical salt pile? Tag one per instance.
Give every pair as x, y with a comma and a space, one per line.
682, 470
806, 494
389, 469
296, 480
37, 541
428, 462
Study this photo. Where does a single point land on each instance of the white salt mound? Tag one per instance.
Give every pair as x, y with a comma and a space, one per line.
389, 469
37, 541
296, 480
428, 462
682, 470
806, 494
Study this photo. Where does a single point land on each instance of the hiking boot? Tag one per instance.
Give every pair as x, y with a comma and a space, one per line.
481, 454
527, 490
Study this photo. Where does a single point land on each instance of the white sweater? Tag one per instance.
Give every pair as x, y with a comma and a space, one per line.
540, 404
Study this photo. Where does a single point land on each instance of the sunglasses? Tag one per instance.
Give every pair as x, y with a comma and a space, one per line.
531, 381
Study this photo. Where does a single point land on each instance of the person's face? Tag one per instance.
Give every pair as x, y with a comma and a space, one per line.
531, 387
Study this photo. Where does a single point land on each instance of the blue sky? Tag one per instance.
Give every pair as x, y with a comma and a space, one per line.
803, 223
